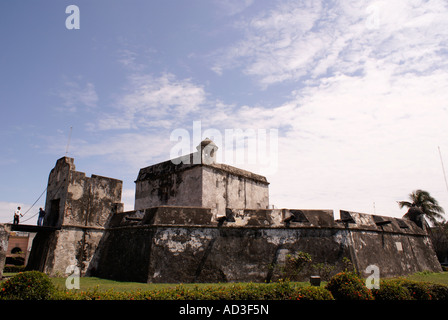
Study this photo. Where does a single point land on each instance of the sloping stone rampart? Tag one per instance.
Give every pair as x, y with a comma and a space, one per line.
251, 244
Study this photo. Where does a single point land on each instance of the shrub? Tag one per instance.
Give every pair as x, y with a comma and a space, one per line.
28, 285
283, 290
324, 270
312, 293
418, 290
391, 291
13, 268
438, 291
348, 286
348, 265
294, 264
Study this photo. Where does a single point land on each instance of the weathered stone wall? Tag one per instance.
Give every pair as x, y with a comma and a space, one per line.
226, 189
259, 198
84, 207
191, 181
91, 200
123, 255
229, 254
58, 182
172, 244
167, 184
439, 238
4, 239
396, 246
74, 246
42, 252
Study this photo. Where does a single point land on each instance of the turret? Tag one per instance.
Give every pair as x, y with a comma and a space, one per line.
208, 151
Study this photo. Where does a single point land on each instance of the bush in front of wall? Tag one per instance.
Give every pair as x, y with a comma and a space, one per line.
28, 285
348, 286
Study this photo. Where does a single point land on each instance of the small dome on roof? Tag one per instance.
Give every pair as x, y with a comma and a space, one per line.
207, 148
205, 143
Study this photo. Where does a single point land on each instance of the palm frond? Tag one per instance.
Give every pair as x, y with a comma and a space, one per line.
426, 203
403, 204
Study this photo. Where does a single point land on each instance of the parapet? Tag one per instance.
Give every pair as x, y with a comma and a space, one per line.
277, 218
264, 218
77, 200
356, 220
164, 216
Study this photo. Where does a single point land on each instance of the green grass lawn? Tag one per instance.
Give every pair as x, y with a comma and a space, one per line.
434, 277
104, 284
87, 283
90, 283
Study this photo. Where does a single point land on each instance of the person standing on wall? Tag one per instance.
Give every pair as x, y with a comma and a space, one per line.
17, 214
40, 220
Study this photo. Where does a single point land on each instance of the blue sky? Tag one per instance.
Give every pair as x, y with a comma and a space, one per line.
356, 90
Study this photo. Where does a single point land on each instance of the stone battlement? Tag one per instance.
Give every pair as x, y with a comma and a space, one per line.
190, 244
263, 218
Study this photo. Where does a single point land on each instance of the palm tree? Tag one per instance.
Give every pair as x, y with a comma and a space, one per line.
429, 207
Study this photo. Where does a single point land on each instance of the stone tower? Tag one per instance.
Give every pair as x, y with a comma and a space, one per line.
78, 208
198, 180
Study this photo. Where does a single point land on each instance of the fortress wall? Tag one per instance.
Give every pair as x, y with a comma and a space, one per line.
396, 246
210, 254
76, 200
232, 189
41, 255
57, 186
218, 191
394, 254
80, 208
235, 254
4, 240
52, 252
197, 180
123, 255
171, 244
75, 246
175, 186
259, 195
91, 201
185, 244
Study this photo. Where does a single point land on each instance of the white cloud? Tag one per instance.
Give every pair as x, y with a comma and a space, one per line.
128, 59
76, 94
134, 150
151, 102
128, 198
369, 109
276, 46
308, 39
353, 141
165, 95
232, 7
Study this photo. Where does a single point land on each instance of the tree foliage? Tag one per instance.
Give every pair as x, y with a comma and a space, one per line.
429, 206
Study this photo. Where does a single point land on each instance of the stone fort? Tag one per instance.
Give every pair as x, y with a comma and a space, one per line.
196, 220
